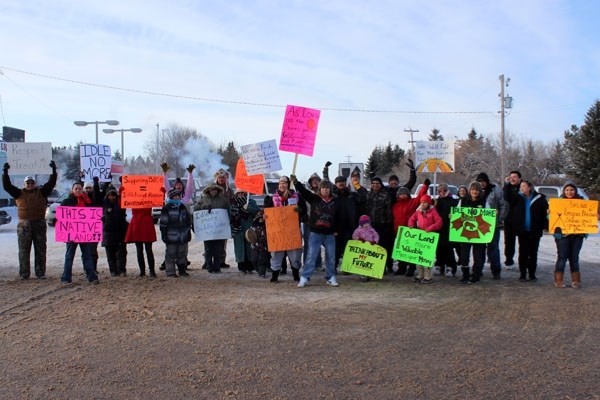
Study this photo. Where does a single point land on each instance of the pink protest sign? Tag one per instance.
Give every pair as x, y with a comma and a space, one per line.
78, 224
299, 130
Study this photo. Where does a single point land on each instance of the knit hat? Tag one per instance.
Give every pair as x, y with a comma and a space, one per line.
571, 183
312, 177
111, 191
426, 199
364, 219
174, 192
482, 177
325, 184
340, 178
403, 190
88, 184
475, 185
28, 179
376, 179
355, 172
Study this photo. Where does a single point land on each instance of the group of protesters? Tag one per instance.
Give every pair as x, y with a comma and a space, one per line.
328, 216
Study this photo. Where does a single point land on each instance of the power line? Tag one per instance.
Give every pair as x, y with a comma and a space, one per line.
245, 103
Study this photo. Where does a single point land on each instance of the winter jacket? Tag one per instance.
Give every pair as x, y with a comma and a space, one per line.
444, 205
348, 217
428, 220
141, 228
538, 211
208, 202
495, 199
509, 191
31, 204
324, 213
404, 208
114, 223
367, 234
241, 220
175, 224
379, 208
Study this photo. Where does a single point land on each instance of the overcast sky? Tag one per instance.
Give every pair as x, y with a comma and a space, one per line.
434, 64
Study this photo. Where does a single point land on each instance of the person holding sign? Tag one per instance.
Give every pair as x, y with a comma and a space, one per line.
31, 203
426, 218
365, 233
243, 210
473, 200
213, 198
176, 233
78, 198
568, 246
529, 221
324, 214
114, 228
222, 179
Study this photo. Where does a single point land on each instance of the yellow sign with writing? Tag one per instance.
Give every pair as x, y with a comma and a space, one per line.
573, 216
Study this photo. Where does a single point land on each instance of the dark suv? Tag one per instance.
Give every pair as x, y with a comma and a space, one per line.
5, 218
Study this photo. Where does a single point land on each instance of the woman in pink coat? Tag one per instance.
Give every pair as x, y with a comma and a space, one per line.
426, 218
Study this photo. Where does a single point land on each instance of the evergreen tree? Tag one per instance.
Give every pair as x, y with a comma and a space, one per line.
435, 135
583, 150
230, 155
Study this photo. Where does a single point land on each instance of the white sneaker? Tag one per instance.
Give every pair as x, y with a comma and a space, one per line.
303, 282
449, 273
436, 271
332, 281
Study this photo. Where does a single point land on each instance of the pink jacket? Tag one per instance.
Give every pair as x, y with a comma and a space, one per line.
429, 221
367, 234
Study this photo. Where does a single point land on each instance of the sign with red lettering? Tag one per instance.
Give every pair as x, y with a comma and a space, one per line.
299, 130
142, 191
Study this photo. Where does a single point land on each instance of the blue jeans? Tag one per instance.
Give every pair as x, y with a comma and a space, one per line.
86, 257
568, 248
315, 241
305, 238
493, 252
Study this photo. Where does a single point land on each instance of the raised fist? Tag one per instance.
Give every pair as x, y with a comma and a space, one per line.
410, 164
293, 178
190, 168
6, 167
53, 165
426, 182
327, 164
164, 166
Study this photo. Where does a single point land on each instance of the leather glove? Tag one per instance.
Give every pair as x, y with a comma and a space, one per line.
327, 164
410, 164
6, 167
53, 165
190, 168
164, 166
426, 182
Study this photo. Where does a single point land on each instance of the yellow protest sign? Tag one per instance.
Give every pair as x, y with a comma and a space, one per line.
283, 228
364, 259
573, 216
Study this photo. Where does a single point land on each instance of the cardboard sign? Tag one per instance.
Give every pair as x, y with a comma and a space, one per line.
573, 216
299, 130
261, 158
95, 160
434, 156
254, 184
142, 191
29, 158
78, 224
472, 225
415, 246
283, 228
364, 259
213, 225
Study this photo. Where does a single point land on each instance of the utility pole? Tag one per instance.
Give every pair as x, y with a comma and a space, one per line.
412, 141
505, 103
157, 161
348, 157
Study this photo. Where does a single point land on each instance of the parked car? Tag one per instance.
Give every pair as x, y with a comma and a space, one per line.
5, 218
51, 209
555, 191
272, 185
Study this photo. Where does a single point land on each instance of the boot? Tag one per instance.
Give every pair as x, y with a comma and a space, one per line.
465, 274
296, 274
182, 271
476, 275
523, 272
142, 271
411, 270
152, 272
275, 276
575, 279
558, 279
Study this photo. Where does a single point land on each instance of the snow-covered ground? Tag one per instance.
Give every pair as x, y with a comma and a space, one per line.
9, 266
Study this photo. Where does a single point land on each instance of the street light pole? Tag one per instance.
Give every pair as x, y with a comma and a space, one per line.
156, 161
134, 130
110, 122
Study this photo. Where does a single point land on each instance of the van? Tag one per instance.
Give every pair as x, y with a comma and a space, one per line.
552, 192
433, 190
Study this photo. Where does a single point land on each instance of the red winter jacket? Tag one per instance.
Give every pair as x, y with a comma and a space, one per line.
403, 209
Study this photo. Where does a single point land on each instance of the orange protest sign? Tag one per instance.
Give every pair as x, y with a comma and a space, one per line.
283, 228
254, 184
573, 216
142, 191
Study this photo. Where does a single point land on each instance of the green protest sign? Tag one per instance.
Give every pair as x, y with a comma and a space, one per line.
364, 259
415, 246
472, 225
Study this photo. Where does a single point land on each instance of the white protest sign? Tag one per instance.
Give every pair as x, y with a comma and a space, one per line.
95, 160
261, 158
213, 225
435, 156
29, 158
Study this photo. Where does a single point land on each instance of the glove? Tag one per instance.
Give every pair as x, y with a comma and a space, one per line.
327, 164
164, 166
362, 240
410, 164
6, 167
426, 182
81, 175
297, 209
373, 243
356, 185
162, 189
293, 179
53, 165
190, 168
121, 189
96, 179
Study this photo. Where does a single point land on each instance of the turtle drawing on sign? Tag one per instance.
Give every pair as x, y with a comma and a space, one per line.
472, 227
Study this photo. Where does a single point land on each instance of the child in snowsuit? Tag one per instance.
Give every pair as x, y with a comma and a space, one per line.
426, 218
176, 232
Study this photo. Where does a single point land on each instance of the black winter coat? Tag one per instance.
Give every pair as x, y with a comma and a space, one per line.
175, 224
538, 210
114, 223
